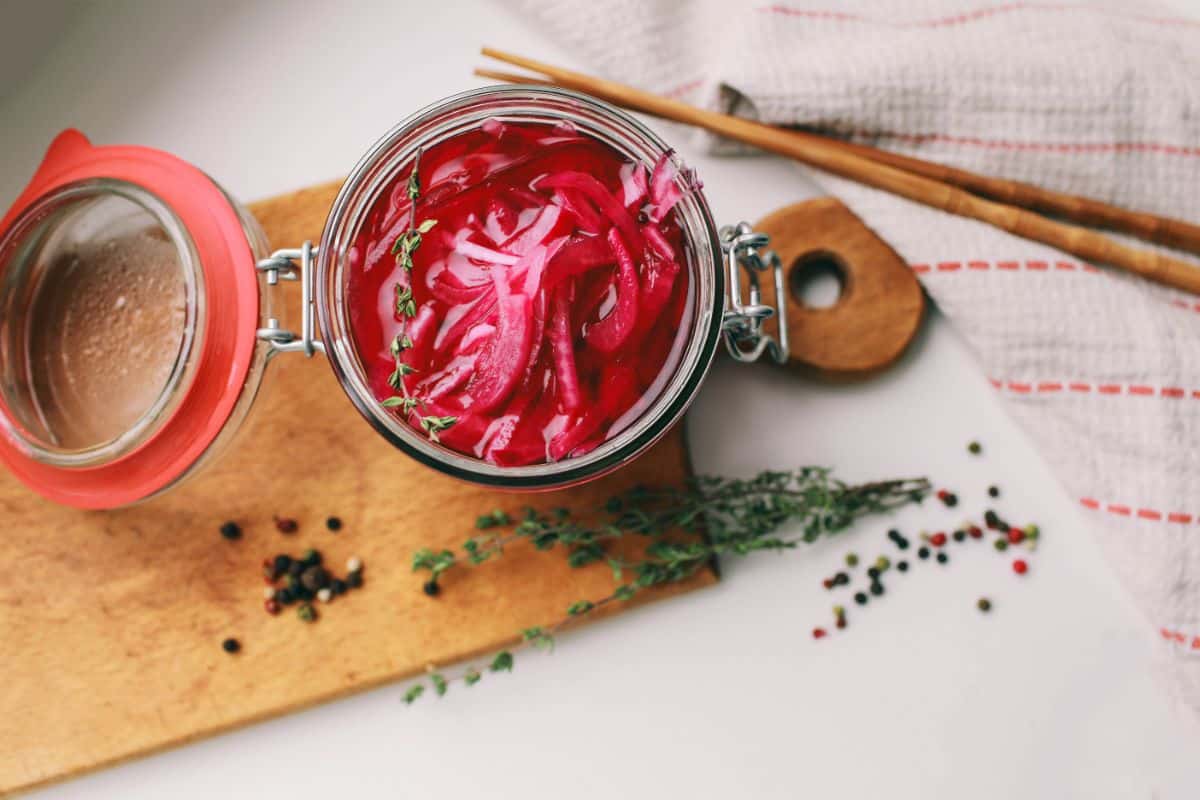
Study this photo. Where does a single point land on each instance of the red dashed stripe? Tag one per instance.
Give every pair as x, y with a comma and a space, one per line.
1179, 637
1151, 514
1082, 387
1011, 266
1062, 148
962, 18
1030, 266
684, 88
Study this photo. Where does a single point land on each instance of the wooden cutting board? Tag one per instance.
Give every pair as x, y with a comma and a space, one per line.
111, 622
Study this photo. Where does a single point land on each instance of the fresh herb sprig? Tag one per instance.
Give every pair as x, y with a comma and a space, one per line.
406, 308
685, 528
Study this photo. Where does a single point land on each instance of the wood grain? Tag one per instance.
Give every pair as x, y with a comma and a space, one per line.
111, 622
881, 304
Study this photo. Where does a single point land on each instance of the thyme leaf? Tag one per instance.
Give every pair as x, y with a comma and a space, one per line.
684, 528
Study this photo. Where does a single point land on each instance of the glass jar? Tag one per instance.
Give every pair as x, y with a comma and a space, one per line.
203, 362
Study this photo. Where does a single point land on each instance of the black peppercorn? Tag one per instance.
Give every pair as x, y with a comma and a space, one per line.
990, 518
959, 535
974, 448
860, 598
338, 586
893, 534
302, 593
334, 524
923, 552
311, 557
876, 588
841, 579
282, 562
902, 544
315, 578
431, 588
231, 645
902, 566
993, 491
984, 604
354, 580
285, 597
942, 558
872, 572
296, 569
231, 531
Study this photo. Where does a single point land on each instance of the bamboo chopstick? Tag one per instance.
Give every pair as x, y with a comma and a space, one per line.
922, 182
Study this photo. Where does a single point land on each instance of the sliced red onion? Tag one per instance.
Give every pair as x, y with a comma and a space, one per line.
502, 362
633, 183
611, 332
563, 348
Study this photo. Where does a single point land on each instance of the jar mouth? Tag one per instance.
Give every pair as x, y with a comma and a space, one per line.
393, 154
101, 293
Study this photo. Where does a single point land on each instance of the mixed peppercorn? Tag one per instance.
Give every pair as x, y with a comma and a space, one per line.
300, 580
1002, 534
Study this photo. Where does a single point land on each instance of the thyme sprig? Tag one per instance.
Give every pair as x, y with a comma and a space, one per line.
406, 308
684, 529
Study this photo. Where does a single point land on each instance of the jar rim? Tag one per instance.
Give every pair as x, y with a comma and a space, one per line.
183, 369
393, 153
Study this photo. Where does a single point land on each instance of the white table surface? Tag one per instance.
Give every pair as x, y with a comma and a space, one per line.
719, 694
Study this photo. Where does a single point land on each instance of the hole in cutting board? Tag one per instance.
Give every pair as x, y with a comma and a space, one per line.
818, 279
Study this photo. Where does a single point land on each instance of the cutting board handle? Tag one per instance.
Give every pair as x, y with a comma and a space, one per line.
881, 303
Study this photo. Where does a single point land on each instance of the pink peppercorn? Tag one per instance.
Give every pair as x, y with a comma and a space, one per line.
975, 531
1015, 535
1020, 567
272, 606
938, 539
818, 633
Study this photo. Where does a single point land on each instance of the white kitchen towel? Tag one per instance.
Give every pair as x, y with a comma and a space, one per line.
1102, 369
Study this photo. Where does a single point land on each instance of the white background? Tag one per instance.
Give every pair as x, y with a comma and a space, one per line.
719, 694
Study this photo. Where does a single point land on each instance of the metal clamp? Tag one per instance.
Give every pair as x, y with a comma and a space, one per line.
742, 324
282, 265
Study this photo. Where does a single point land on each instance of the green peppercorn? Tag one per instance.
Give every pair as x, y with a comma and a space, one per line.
306, 612
882, 563
984, 605
974, 448
1032, 531
1001, 545
851, 559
